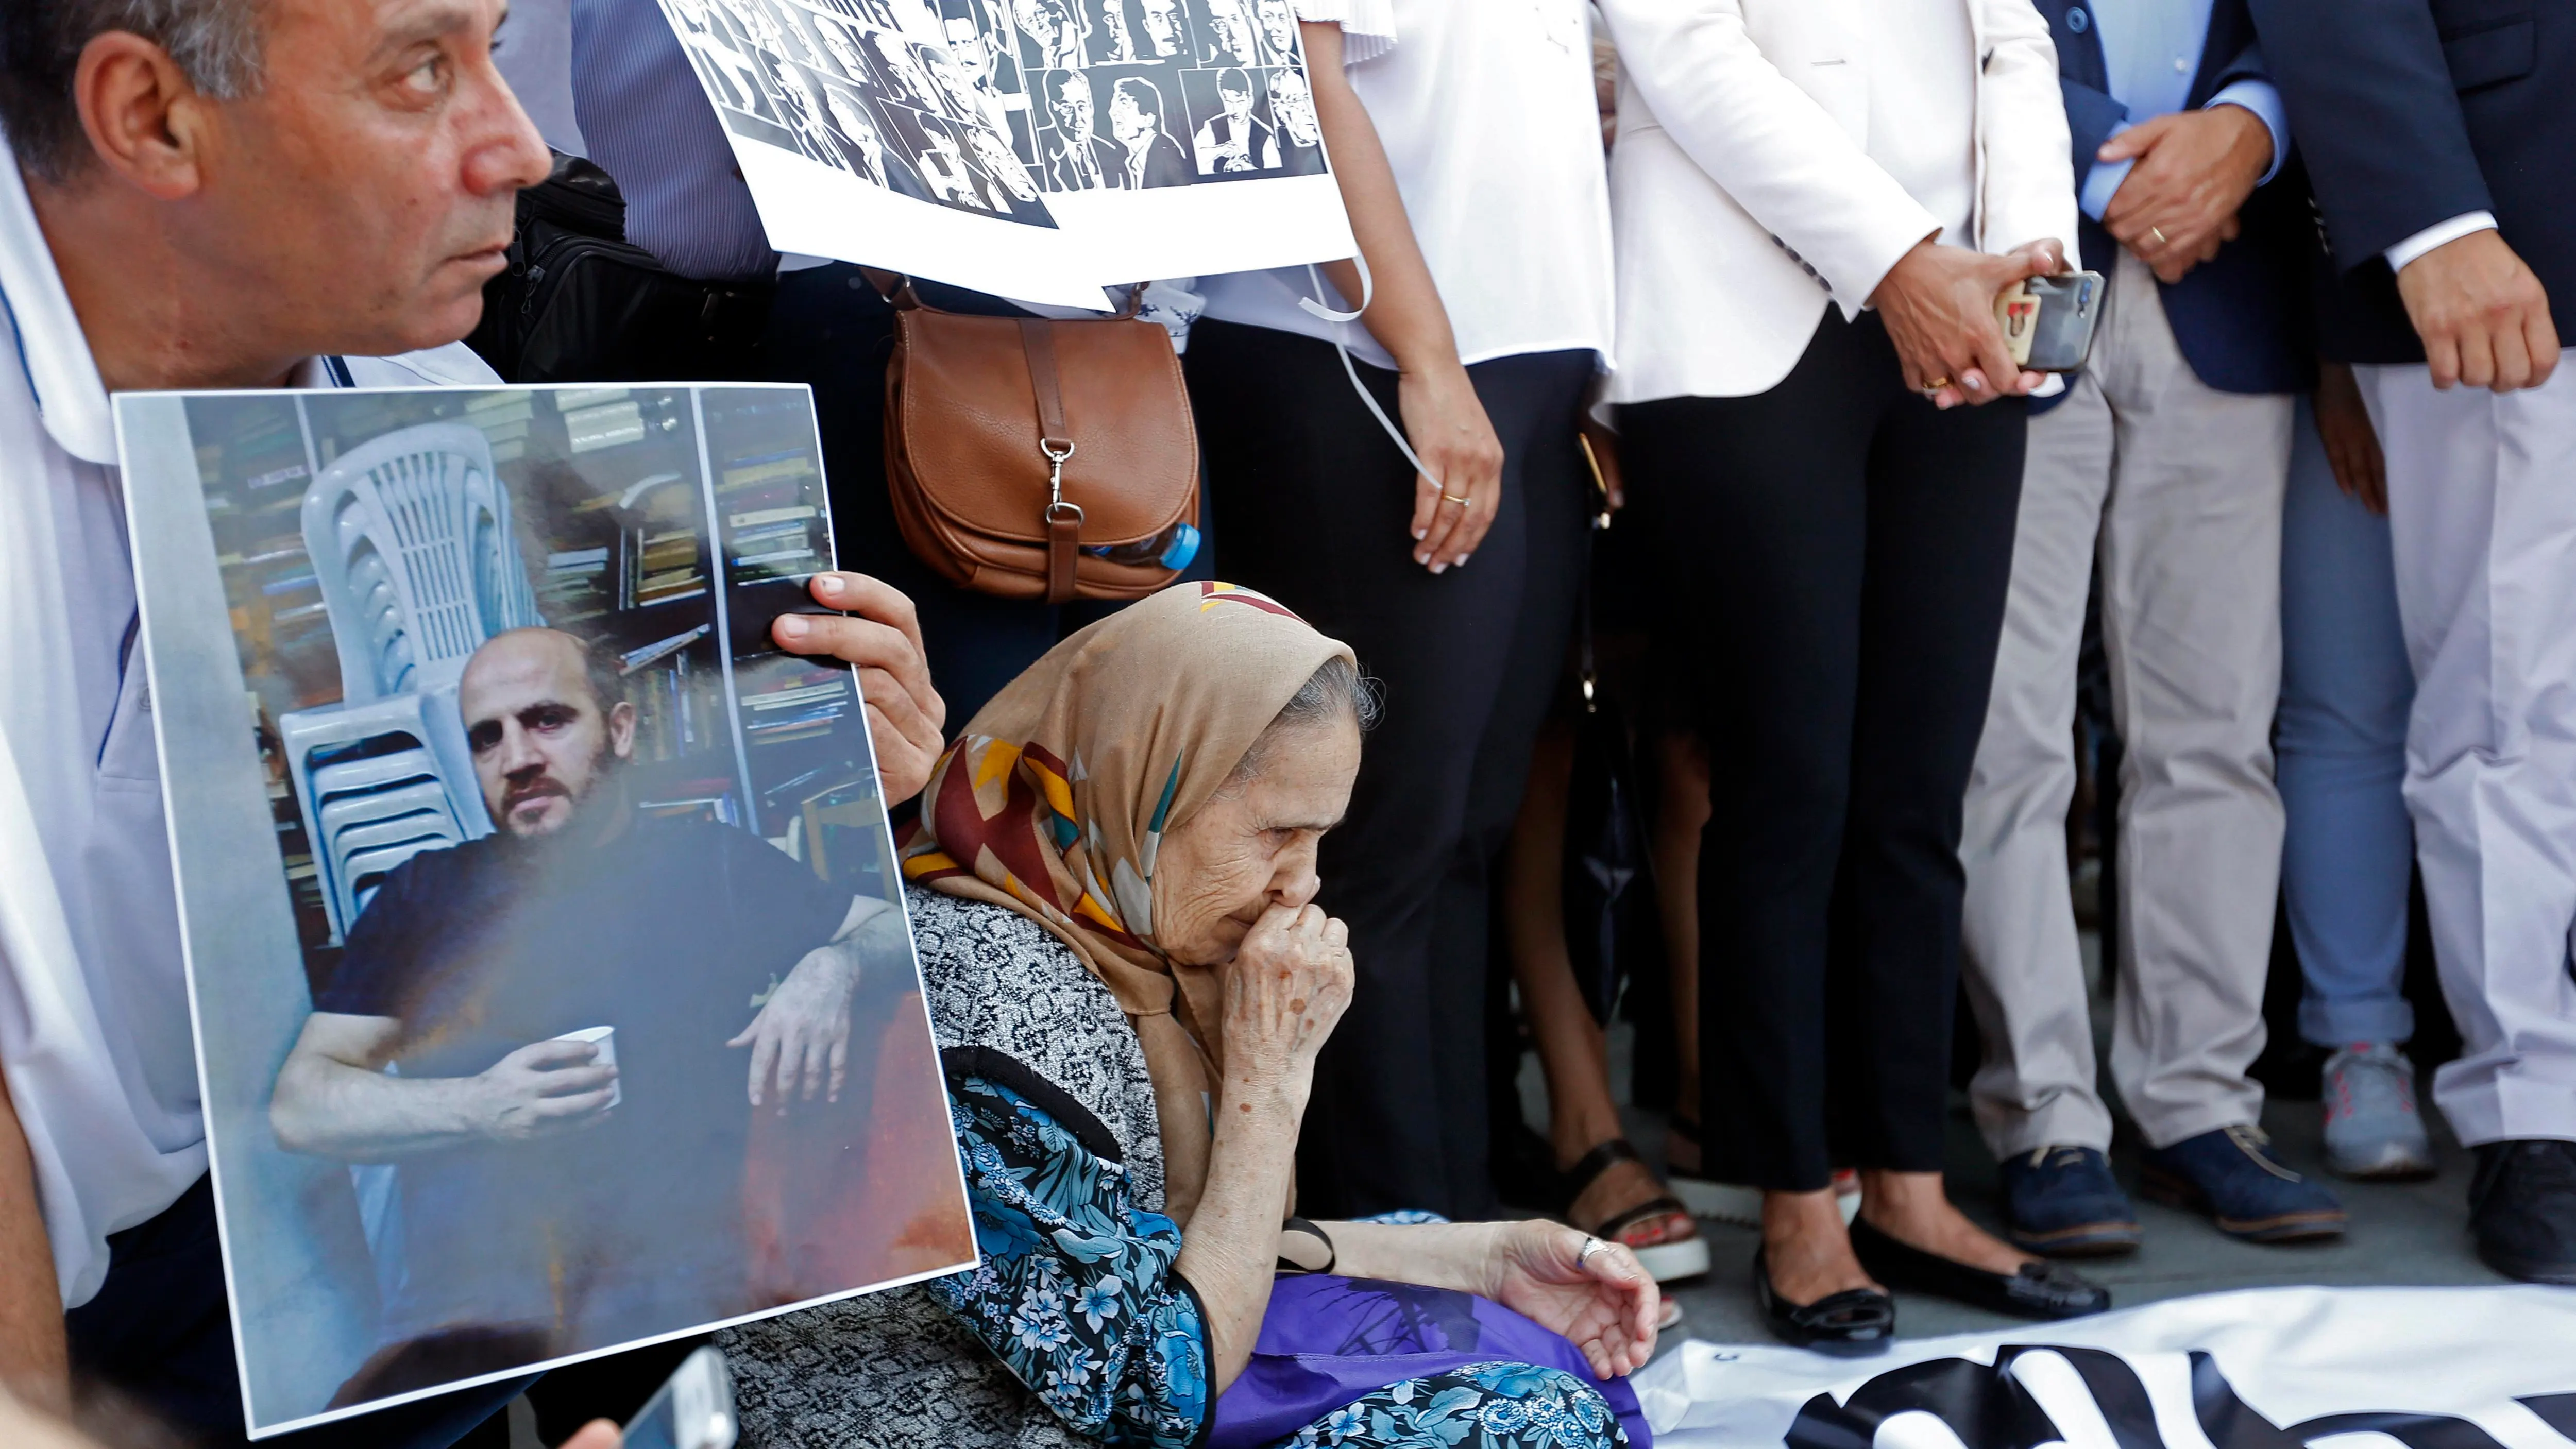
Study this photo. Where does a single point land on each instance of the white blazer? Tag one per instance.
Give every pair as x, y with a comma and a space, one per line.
1741, 197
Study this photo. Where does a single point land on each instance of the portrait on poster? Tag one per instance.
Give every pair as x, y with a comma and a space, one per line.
1088, 122
551, 979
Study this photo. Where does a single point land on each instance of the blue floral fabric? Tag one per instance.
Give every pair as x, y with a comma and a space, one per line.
1077, 1294
1477, 1406
1076, 1291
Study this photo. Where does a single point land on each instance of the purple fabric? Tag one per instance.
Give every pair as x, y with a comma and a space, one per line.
1329, 1340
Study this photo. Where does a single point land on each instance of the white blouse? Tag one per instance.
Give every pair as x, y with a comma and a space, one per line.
1490, 122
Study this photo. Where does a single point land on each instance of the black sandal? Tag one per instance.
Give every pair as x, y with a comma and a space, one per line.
1854, 1321
1665, 1262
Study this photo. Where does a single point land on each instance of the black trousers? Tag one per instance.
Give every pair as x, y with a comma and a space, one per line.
1835, 554
1313, 506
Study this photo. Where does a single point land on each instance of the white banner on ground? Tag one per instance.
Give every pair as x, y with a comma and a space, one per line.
1039, 149
2275, 1368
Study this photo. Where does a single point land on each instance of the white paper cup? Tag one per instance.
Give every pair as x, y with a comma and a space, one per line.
604, 1038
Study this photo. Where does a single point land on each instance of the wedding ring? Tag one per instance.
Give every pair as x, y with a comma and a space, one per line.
1590, 1247
2156, 234
1453, 498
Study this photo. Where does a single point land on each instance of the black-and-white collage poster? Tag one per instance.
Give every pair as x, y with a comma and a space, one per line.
1039, 149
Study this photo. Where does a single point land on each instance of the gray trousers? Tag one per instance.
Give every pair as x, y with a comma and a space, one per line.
2482, 515
2178, 488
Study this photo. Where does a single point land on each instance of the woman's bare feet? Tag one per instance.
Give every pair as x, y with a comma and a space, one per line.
1805, 1248
1912, 1208
1623, 1187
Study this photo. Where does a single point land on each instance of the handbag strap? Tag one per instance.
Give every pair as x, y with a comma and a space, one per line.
1055, 441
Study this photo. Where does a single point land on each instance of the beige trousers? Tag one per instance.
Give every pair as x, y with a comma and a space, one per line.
2177, 488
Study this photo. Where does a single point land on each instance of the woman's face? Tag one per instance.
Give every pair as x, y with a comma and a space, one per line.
1253, 845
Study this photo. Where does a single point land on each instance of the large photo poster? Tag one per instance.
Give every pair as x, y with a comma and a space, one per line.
544, 938
1036, 148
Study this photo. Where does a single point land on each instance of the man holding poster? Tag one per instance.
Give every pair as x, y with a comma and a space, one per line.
161, 226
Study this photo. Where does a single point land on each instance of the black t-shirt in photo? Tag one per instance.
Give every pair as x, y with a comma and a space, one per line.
666, 933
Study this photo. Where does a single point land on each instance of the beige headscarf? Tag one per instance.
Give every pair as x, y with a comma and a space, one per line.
1055, 799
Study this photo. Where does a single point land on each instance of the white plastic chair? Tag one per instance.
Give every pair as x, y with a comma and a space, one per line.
411, 543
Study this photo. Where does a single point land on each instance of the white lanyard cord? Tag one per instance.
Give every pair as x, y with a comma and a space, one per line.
1341, 320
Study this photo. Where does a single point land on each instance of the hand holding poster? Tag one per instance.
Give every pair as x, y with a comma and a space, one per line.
1036, 148
548, 963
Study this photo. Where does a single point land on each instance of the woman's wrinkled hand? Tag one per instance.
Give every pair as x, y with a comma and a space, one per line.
877, 630
1605, 1304
1288, 986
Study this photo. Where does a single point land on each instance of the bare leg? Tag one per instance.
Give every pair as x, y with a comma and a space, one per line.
1682, 812
1806, 1248
1571, 1049
1912, 1208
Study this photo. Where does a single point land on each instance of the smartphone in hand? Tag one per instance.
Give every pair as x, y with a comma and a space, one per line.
2048, 321
692, 1410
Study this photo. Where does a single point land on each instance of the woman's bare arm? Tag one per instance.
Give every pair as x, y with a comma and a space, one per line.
1443, 418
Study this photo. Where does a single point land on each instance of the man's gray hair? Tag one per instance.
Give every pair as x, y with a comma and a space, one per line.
1337, 691
215, 43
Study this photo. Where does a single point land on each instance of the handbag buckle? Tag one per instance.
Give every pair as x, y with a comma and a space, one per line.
1058, 453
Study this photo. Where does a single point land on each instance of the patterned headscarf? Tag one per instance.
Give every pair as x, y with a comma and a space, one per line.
1055, 799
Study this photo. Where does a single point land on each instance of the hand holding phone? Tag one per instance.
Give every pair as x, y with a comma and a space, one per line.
2048, 321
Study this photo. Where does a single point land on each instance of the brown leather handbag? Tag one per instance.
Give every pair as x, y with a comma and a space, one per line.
1037, 459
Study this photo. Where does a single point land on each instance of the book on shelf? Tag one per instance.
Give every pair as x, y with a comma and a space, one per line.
760, 516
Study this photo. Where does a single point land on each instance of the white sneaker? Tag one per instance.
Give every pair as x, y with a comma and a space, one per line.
2373, 1129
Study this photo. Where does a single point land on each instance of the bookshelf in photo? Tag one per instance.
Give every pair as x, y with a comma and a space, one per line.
667, 525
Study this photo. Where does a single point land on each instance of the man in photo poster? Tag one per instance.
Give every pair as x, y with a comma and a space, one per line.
1136, 119
854, 134
1075, 159
1234, 140
1164, 32
1301, 137
1231, 39
549, 1031
1054, 35
1279, 31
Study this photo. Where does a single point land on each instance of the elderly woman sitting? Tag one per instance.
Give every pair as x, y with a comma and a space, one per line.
1112, 892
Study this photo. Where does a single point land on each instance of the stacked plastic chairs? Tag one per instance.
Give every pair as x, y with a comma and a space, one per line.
411, 541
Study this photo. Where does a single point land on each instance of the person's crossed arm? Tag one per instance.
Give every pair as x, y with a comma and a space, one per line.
802, 1034
2192, 173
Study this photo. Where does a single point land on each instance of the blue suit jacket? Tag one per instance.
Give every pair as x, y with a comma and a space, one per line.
2241, 318
2411, 112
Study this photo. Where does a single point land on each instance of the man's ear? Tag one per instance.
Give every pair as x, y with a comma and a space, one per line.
145, 121
621, 730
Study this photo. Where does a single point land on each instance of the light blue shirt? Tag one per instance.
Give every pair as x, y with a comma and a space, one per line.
2151, 53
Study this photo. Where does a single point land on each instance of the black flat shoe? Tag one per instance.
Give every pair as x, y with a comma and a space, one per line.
1854, 1321
2040, 1290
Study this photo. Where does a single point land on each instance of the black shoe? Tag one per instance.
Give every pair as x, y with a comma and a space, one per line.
2522, 1206
2039, 1290
1854, 1321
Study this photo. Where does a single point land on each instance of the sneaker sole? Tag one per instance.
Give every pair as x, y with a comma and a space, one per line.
2395, 1163
2174, 1191
1672, 1262
2085, 1240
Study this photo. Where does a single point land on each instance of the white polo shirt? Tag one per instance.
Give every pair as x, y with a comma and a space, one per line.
94, 1033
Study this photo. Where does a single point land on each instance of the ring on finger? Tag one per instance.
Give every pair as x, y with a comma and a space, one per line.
1453, 498
1591, 1245
2156, 234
